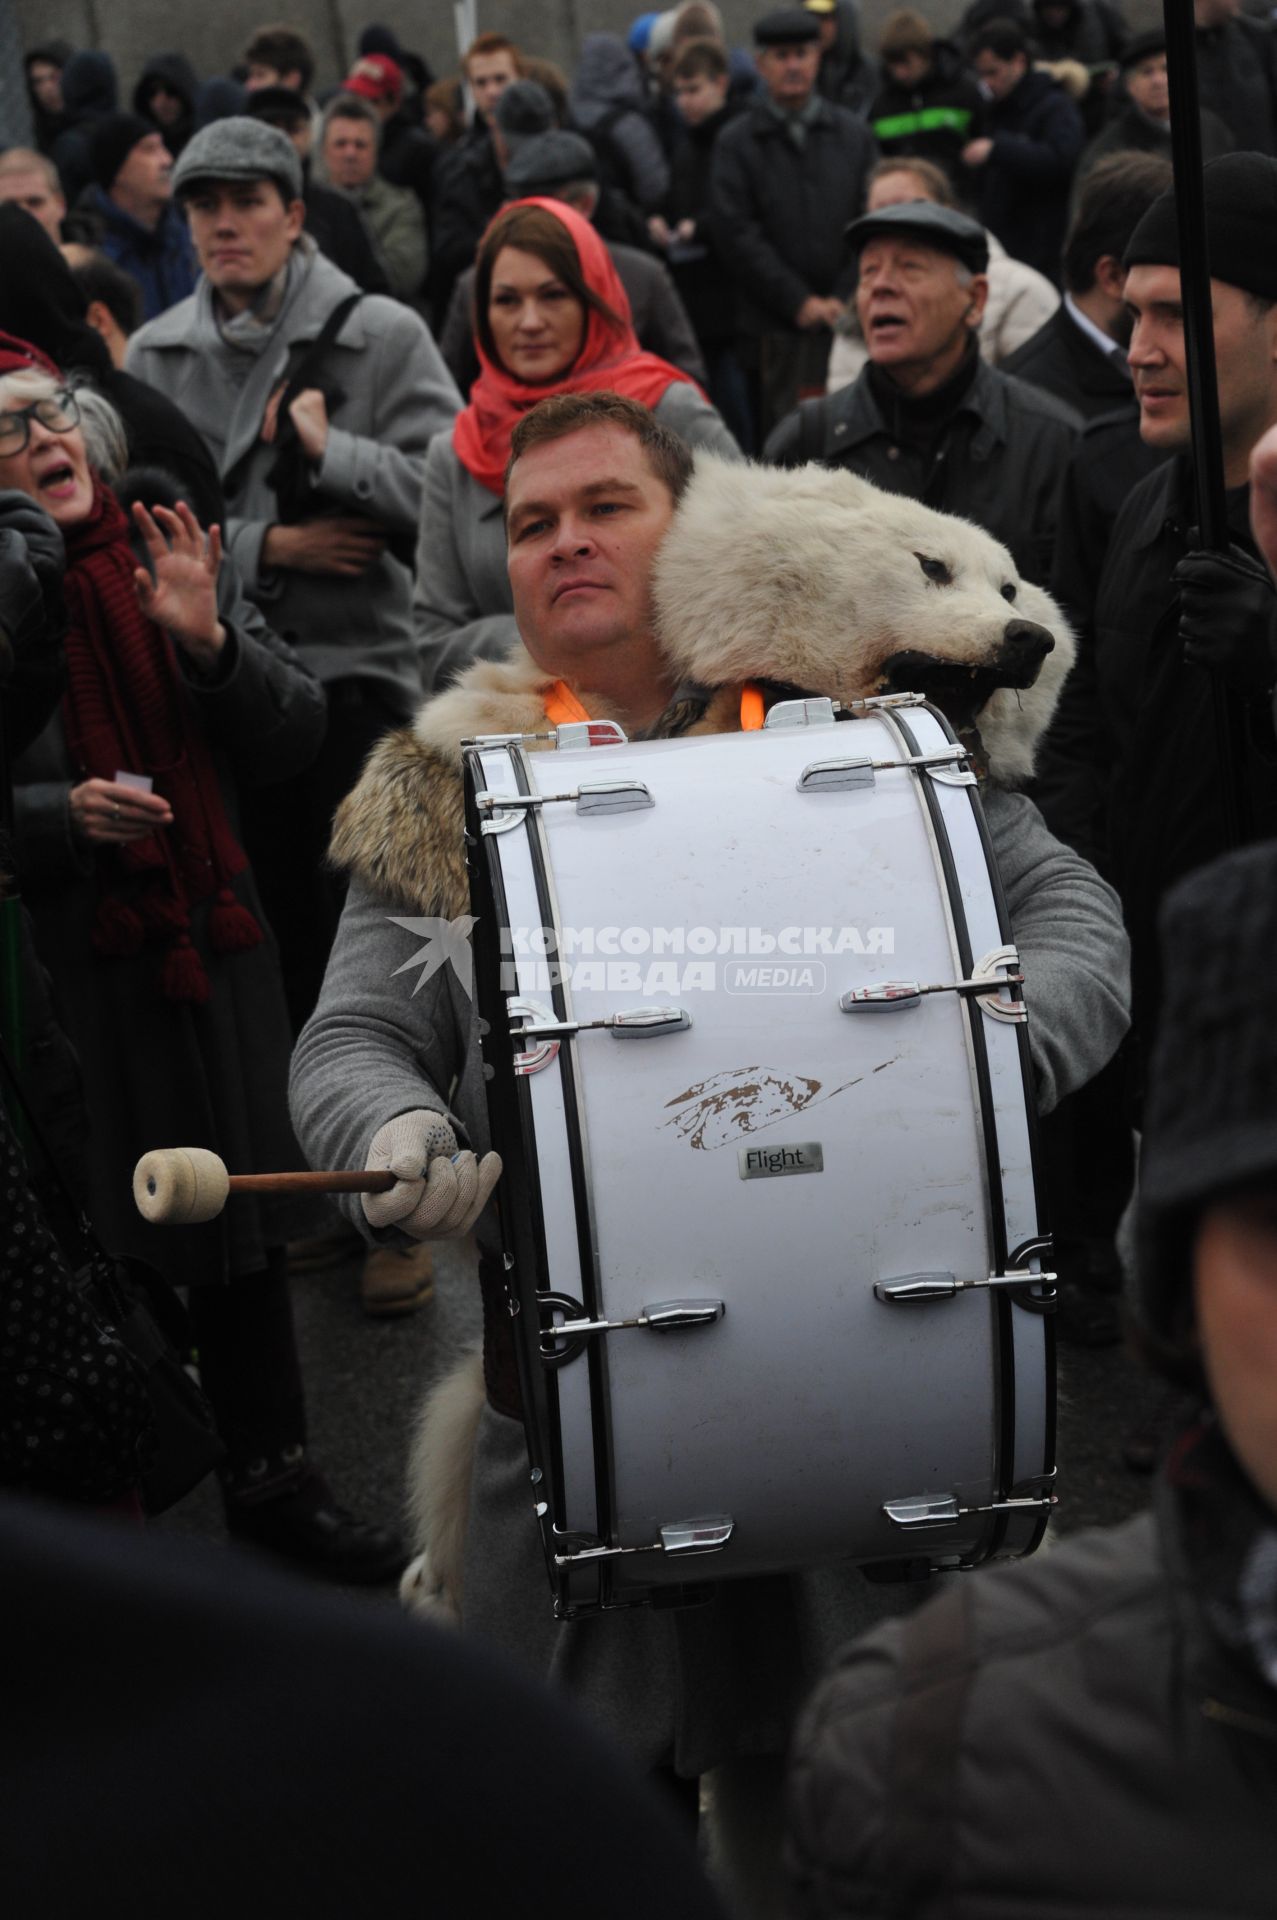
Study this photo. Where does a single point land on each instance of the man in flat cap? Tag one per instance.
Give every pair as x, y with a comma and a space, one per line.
1133, 755
1143, 125
927, 416
787, 176
317, 404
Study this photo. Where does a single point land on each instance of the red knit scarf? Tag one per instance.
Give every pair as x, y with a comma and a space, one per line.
124, 710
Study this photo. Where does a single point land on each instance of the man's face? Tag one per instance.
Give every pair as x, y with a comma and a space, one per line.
585, 516
299, 131
1000, 76
243, 232
46, 84
1244, 365
912, 311
789, 73
166, 106
350, 152
908, 69
262, 76
1235, 1309
1149, 88
700, 96
147, 173
33, 192
489, 75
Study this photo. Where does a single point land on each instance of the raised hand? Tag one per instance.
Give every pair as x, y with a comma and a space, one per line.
180, 594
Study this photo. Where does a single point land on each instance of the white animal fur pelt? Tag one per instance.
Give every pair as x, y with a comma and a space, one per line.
440, 1468
811, 577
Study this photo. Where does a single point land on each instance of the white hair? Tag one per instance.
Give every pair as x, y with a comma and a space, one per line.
105, 441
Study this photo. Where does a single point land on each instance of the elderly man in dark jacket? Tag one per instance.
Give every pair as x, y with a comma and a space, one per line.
1096, 1733
1132, 769
787, 177
1025, 161
927, 416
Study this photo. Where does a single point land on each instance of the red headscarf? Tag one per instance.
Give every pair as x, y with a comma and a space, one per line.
609, 362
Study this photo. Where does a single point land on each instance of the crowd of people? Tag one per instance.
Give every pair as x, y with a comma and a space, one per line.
340, 423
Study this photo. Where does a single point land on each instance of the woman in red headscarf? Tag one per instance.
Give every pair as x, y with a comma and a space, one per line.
551, 316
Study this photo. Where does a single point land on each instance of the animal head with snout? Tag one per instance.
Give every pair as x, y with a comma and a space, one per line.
817, 579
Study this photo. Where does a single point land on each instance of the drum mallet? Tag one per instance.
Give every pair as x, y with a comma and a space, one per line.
182, 1186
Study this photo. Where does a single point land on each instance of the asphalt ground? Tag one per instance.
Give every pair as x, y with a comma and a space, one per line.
365, 1379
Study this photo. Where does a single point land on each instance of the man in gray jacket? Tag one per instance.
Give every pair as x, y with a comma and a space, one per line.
317, 404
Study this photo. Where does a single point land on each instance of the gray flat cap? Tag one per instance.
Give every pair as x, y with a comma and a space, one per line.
240, 148
935, 226
549, 160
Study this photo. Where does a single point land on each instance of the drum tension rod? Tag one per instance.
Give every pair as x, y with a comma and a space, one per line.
634, 1023
920, 1510
841, 776
946, 1286
680, 1539
988, 977
663, 1316
592, 796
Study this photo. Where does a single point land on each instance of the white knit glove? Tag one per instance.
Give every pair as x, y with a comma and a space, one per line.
439, 1192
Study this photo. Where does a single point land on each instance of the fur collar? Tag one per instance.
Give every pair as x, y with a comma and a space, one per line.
400, 832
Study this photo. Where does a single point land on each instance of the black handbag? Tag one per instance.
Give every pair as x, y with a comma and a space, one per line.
131, 1413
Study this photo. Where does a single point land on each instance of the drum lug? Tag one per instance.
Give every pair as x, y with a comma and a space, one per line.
917, 1511
837, 776
592, 796
680, 1539
632, 1023
799, 713
945, 1286
572, 734
989, 977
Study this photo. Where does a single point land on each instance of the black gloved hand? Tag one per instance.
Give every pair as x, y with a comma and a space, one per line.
1227, 607
32, 620
21, 601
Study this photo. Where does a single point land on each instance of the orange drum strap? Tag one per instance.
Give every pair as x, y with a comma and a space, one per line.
562, 705
751, 708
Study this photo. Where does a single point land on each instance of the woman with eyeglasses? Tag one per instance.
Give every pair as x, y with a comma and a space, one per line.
146, 915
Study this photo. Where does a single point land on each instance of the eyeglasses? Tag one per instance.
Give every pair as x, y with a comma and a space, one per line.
60, 413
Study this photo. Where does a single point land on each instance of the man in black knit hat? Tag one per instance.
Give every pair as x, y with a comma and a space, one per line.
132, 197
1133, 751
1096, 1732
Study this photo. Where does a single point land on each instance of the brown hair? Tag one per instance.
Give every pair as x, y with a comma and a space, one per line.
696, 21
700, 57
552, 78
669, 458
283, 48
533, 230
445, 96
937, 182
486, 43
905, 32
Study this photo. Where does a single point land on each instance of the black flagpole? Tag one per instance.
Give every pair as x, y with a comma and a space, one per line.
1203, 393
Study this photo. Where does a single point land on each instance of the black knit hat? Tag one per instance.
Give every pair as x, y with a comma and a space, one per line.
1142, 47
1210, 1116
111, 142
1240, 192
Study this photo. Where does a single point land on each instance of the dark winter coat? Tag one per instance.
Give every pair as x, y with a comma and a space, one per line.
156, 1072
1094, 34
1023, 187
176, 73
1132, 754
848, 77
1066, 1738
660, 319
1237, 79
935, 119
703, 282
1132, 131
89, 90
1063, 360
160, 259
467, 190
779, 212
337, 227
1000, 463
608, 107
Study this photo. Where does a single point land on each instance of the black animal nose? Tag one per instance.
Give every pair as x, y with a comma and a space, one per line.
1026, 640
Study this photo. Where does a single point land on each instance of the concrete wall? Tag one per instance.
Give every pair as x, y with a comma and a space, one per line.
212, 33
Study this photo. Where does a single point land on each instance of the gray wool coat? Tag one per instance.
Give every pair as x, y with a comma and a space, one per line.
694, 1688
156, 1073
396, 393
461, 604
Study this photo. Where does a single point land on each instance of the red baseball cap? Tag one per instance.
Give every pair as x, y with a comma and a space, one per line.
375, 76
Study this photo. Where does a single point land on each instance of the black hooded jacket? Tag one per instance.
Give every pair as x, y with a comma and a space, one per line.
40, 302
89, 90
934, 120
175, 72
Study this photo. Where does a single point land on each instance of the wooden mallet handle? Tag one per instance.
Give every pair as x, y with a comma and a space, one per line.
182, 1186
